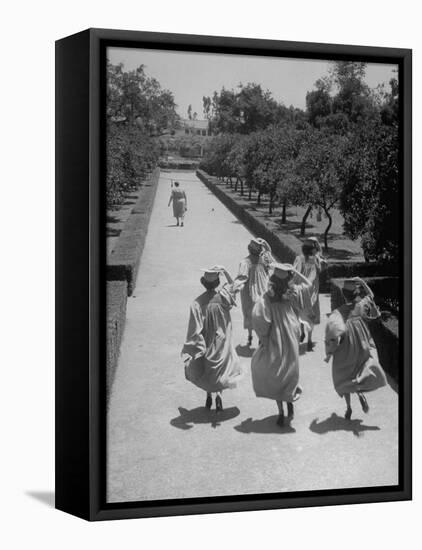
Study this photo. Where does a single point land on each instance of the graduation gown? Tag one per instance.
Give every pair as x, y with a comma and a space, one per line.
215, 365
355, 366
275, 363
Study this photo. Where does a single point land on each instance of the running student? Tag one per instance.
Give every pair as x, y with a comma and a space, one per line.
254, 272
211, 361
309, 263
275, 363
355, 367
180, 203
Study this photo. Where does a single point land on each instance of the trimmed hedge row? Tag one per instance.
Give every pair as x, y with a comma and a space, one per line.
116, 316
386, 340
122, 268
123, 263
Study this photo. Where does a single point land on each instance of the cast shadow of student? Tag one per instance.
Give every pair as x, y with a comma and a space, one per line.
336, 423
266, 425
201, 415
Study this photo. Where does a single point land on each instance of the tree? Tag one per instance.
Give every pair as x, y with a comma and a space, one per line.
319, 102
353, 98
371, 195
244, 111
138, 110
138, 98
319, 170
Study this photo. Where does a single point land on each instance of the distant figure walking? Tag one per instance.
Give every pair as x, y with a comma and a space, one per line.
310, 263
275, 363
355, 367
253, 273
180, 203
211, 361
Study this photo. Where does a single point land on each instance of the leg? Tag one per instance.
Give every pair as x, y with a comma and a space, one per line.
363, 402
290, 410
348, 413
302, 332
177, 219
208, 402
280, 420
310, 346
249, 337
218, 402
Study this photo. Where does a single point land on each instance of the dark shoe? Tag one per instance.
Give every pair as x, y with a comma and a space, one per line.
290, 410
348, 414
208, 402
280, 420
181, 224
302, 332
250, 340
363, 403
218, 404
310, 346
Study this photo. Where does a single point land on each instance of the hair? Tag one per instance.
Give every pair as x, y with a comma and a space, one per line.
308, 249
176, 183
278, 286
351, 294
253, 250
210, 285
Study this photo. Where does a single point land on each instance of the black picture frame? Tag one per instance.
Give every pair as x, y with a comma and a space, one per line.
80, 274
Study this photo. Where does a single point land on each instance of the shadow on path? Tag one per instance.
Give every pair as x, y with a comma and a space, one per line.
245, 351
45, 497
202, 415
336, 423
264, 426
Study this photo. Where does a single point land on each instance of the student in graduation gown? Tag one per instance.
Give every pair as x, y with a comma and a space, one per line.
309, 263
355, 366
254, 271
211, 361
275, 363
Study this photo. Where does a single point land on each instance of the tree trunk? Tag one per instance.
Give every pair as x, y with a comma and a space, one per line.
305, 217
250, 192
241, 187
330, 221
259, 199
284, 212
271, 204
235, 185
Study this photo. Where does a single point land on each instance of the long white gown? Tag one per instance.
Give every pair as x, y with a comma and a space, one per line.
275, 363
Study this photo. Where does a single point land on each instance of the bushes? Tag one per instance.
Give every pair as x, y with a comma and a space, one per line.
130, 157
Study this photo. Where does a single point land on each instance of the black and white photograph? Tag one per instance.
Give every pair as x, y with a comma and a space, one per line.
253, 234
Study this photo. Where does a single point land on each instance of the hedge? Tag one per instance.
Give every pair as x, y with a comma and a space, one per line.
123, 263
116, 315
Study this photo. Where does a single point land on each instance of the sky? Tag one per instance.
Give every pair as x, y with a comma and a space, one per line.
191, 75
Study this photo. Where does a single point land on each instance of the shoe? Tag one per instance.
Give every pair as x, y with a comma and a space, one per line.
208, 402
348, 414
218, 404
280, 420
363, 403
310, 346
250, 340
290, 410
181, 224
